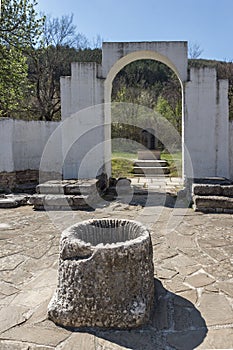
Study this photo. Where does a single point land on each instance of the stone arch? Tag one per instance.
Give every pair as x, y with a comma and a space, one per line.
129, 58
205, 126
117, 67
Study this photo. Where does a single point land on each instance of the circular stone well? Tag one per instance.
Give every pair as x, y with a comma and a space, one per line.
106, 275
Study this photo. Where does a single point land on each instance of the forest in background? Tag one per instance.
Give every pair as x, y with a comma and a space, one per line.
35, 51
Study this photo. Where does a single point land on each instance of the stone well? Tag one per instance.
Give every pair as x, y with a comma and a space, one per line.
106, 275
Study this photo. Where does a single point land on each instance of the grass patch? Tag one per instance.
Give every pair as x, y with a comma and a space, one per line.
122, 167
174, 160
126, 155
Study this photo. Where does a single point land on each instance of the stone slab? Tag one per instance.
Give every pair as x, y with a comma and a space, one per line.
51, 188
11, 345
8, 203
36, 335
82, 188
10, 316
150, 163
212, 203
216, 309
76, 341
199, 280
221, 339
151, 170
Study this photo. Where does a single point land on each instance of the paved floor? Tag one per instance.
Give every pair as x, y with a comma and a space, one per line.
193, 259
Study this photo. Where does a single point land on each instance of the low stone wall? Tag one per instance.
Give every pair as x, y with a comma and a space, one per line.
9, 181
25, 180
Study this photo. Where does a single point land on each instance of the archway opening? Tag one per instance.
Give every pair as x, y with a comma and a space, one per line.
144, 92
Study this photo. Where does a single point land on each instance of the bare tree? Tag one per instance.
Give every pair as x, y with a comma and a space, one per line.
194, 50
58, 48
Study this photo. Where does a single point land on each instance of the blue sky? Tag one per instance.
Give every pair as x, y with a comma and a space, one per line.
208, 23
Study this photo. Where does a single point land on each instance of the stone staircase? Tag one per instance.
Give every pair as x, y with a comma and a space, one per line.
213, 197
66, 194
151, 168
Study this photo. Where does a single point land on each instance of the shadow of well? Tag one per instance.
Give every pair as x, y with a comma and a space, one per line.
175, 324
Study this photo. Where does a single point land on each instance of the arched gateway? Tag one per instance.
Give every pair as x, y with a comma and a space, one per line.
86, 98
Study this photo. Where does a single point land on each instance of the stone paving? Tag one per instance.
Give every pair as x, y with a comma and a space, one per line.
193, 260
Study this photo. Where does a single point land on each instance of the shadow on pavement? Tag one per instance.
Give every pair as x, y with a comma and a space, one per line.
175, 325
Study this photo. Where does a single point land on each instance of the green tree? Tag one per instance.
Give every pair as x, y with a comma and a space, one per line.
13, 80
20, 29
174, 116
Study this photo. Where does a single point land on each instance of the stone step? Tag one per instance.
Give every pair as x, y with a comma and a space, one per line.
149, 154
13, 200
209, 204
6, 203
150, 163
68, 187
212, 190
60, 201
148, 171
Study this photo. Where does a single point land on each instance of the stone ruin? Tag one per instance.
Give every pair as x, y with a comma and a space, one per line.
106, 275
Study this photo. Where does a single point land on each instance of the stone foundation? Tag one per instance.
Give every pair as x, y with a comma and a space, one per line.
106, 275
9, 181
24, 180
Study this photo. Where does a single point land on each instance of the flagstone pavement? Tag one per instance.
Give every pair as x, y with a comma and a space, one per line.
193, 262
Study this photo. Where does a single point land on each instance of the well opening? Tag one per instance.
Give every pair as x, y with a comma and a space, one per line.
107, 231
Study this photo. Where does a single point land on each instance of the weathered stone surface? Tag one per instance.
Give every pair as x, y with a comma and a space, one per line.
36, 335
82, 187
212, 203
208, 305
82, 341
10, 316
199, 280
81, 201
58, 200
207, 190
37, 200
114, 257
8, 203
51, 188
21, 199
218, 339
7, 288
10, 262
10, 345
190, 295
176, 285
25, 231
226, 287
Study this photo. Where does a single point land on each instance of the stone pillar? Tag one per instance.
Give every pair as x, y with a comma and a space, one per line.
206, 125
83, 122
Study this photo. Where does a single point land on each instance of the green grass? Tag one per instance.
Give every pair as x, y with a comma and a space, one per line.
122, 167
173, 160
122, 163
126, 155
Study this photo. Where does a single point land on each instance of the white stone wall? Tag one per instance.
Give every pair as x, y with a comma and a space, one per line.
172, 53
82, 89
231, 149
87, 128
206, 126
22, 144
